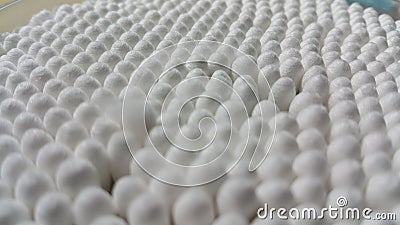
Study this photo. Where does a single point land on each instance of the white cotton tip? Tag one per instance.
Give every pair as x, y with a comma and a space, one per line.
83, 60
212, 171
376, 142
58, 45
317, 84
11, 41
24, 122
69, 51
24, 91
372, 122
71, 134
284, 142
292, 68
309, 189
314, 116
172, 77
288, 54
144, 47
54, 118
283, 121
382, 190
4, 93
392, 119
310, 139
135, 57
103, 128
231, 110
44, 55
346, 109
82, 40
13, 166
368, 90
119, 155
237, 195
267, 58
53, 87
310, 162
357, 66
70, 98
266, 109
121, 48
282, 92
91, 203
108, 220
32, 141
244, 65
13, 212
96, 153
276, 193
338, 68
95, 49
51, 156
376, 67
40, 76
344, 147
274, 167
311, 59
245, 89
40, 103
74, 174
125, 68
53, 208
87, 84
144, 80
115, 83
9, 145
347, 173
193, 207
110, 59
125, 191
362, 78
5, 127
330, 57
146, 209
303, 100
386, 87
86, 114
69, 73
353, 196
31, 185
389, 102
376, 163
340, 95
166, 191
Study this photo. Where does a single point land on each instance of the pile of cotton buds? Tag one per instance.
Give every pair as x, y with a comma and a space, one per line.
153, 112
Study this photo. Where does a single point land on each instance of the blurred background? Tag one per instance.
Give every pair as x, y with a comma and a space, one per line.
15, 13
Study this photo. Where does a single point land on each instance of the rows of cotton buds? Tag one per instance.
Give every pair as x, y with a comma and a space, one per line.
198, 112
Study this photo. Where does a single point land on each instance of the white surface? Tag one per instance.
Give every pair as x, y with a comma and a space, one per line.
333, 72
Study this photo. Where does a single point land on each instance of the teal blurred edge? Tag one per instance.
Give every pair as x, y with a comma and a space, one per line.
383, 6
